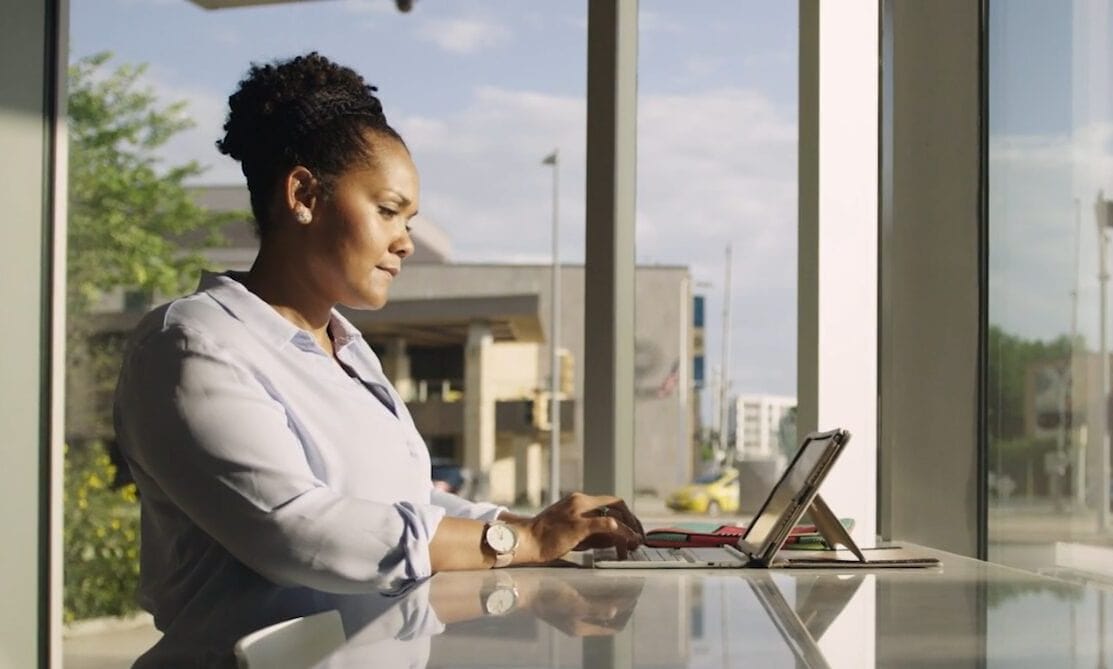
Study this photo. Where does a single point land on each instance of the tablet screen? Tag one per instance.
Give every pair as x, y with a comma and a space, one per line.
788, 488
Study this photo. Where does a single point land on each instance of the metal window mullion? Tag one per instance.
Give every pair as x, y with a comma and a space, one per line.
609, 266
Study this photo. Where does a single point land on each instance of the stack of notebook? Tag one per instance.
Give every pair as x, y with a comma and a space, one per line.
703, 535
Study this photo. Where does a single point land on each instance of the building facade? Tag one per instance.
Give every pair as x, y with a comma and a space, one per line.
756, 423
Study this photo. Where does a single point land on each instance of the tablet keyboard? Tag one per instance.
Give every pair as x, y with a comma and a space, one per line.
647, 554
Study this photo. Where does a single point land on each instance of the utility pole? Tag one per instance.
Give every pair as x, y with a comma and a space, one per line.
724, 384
554, 338
1102, 216
1067, 418
683, 432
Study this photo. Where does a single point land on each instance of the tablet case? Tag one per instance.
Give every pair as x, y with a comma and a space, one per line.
711, 535
807, 546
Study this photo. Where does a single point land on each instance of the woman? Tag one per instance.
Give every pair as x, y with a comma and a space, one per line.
261, 431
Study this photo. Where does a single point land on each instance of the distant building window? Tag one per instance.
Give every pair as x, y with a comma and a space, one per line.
697, 311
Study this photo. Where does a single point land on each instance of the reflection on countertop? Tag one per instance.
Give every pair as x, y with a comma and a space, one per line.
965, 613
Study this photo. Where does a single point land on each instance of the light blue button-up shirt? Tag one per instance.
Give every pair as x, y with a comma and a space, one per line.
252, 447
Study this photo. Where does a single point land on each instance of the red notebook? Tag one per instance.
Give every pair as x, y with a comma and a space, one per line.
698, 537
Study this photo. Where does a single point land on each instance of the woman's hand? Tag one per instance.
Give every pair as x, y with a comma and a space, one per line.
577, 522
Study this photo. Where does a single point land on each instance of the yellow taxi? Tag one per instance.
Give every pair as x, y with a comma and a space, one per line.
710, 494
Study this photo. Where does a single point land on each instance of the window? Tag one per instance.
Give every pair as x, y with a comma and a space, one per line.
483, 92
716, 248
1050, 86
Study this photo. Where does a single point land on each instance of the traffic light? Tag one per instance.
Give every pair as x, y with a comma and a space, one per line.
567, 372
540, 415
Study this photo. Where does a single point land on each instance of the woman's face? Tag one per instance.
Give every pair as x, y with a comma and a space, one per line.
364, 234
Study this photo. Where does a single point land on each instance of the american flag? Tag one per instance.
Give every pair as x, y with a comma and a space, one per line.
669, 384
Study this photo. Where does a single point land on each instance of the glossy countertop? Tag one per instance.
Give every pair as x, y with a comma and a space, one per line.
963, 613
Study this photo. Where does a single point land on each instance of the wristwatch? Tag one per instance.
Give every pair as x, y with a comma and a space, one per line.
502, 540
499, 594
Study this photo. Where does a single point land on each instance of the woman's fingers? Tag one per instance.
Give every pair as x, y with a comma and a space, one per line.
618, 534
626, 517
606, 505
580, 521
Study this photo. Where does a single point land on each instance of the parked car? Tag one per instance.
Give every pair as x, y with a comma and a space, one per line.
711, 494
448, 475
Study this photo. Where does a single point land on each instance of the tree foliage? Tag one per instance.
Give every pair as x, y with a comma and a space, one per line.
101, 538
1010, 358
128, 213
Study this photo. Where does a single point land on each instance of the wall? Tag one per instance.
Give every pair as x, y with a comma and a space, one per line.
27, 95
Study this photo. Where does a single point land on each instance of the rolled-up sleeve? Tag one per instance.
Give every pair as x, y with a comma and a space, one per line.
204, 437
459, 507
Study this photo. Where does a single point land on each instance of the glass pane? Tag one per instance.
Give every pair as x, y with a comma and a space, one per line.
716, 253
1051, 89
483, 92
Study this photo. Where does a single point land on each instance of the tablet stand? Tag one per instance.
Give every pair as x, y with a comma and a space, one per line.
831, 529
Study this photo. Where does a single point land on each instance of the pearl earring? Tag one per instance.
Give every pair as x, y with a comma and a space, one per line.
303, 215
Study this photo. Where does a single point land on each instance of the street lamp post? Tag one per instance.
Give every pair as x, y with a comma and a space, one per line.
1102, 214
554, 338
724, 383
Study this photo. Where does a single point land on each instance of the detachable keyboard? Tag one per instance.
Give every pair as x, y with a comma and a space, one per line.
644, 557
647, 554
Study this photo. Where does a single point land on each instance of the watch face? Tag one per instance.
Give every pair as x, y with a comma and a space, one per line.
501, 538
500, 601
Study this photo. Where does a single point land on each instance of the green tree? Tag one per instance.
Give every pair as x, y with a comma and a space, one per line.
133, 224
1010, 358
1013, 451
128, 214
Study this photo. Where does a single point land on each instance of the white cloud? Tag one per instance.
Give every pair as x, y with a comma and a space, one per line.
713, 168
1043, 236
701, 67
650, 21
368, 6
462, 35
226, 36
207, 110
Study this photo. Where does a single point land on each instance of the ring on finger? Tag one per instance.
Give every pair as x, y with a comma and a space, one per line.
603, 511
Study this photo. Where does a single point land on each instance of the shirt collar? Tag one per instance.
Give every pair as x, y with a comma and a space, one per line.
228, 289
343, 332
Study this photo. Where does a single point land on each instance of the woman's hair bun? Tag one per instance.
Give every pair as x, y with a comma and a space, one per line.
307, 111
286, 100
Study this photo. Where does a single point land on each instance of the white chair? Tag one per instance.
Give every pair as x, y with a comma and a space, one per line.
294, 644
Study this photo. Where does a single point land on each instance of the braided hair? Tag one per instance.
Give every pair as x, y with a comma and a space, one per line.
304, 111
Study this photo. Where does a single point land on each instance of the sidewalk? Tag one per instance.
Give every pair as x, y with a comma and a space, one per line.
113, 644
1041, 523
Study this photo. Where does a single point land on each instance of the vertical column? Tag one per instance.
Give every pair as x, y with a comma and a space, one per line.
612, 61
396, 366
33, 137
837, 382
479, 406
528, 470
609, 268
933, 269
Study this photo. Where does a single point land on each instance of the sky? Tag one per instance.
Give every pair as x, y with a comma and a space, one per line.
483, 90
1050, 155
